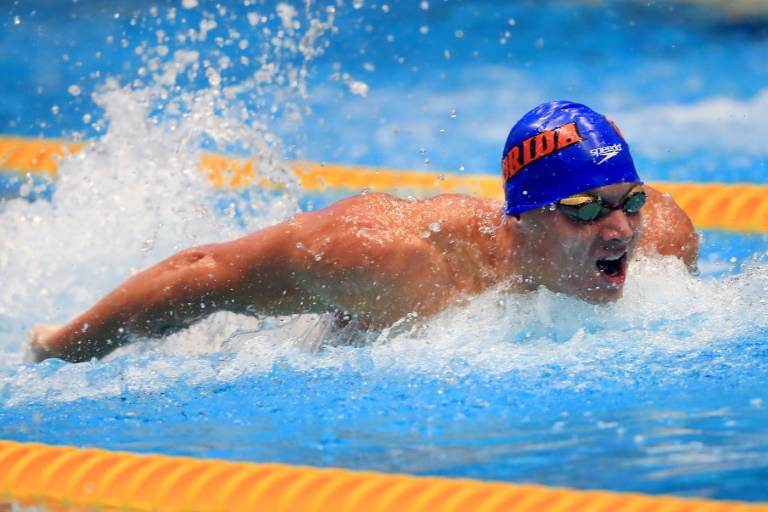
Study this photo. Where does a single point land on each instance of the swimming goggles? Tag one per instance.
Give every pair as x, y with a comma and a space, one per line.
587, 208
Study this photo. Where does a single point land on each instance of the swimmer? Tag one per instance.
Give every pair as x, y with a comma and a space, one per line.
575, 217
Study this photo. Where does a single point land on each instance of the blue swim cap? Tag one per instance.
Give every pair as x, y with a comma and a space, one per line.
559, 149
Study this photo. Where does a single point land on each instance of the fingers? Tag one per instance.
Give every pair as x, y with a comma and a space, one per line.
38, 337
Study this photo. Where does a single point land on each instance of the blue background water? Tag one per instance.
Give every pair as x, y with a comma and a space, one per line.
670, 399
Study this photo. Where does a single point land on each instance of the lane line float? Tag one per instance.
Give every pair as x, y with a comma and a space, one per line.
735, 207
66, 478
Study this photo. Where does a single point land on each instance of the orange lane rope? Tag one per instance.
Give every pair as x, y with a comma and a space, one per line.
65, 478
737, 207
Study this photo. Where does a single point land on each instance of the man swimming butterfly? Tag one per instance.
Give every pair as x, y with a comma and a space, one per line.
574, 218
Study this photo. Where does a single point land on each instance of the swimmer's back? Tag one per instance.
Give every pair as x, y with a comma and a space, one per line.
389, 257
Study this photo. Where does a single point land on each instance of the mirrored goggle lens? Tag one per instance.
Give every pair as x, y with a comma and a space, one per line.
594, 208
634, 202
587, 211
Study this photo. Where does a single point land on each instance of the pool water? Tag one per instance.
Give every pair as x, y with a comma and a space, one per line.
662, 392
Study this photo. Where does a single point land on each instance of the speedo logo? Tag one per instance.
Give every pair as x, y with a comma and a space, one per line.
605, 152
539, 146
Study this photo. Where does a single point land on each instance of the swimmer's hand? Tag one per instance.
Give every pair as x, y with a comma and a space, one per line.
38, 346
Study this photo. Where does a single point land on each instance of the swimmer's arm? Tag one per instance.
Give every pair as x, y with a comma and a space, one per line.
342, 257
667, 230
246, 275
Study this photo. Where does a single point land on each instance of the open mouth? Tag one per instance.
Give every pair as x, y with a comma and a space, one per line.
613, 268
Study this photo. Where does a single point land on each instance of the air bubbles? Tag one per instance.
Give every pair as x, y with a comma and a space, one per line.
358, 88
74, 90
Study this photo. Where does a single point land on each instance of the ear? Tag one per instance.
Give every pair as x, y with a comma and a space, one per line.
521, 223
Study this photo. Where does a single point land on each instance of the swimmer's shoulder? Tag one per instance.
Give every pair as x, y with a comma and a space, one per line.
461, 212
667, 229
447, 209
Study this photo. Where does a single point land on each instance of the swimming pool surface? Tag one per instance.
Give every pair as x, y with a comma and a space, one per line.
662, 392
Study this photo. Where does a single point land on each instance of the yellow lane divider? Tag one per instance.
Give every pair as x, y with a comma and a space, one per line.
58, 477
737, 207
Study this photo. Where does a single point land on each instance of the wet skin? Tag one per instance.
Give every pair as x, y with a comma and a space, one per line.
380, 259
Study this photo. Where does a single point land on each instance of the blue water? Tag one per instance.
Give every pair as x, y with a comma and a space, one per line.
664, 392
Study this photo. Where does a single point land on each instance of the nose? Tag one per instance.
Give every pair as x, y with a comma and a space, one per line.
619, 227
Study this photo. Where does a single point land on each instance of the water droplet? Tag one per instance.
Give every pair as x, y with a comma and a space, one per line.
426, 161
16, 20
424, 30
55, 109
425, 5
299, 245
425, 234
74, 90
213, 77
318, 257
423, 150
189, 4
453, 113
357, 4
441, 177
434, 227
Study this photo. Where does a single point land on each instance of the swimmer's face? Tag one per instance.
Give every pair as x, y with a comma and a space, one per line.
584, 259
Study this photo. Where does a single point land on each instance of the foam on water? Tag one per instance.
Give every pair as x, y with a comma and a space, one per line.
135, 196
666, 315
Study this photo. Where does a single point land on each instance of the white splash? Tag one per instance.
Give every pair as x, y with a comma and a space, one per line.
136, 195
